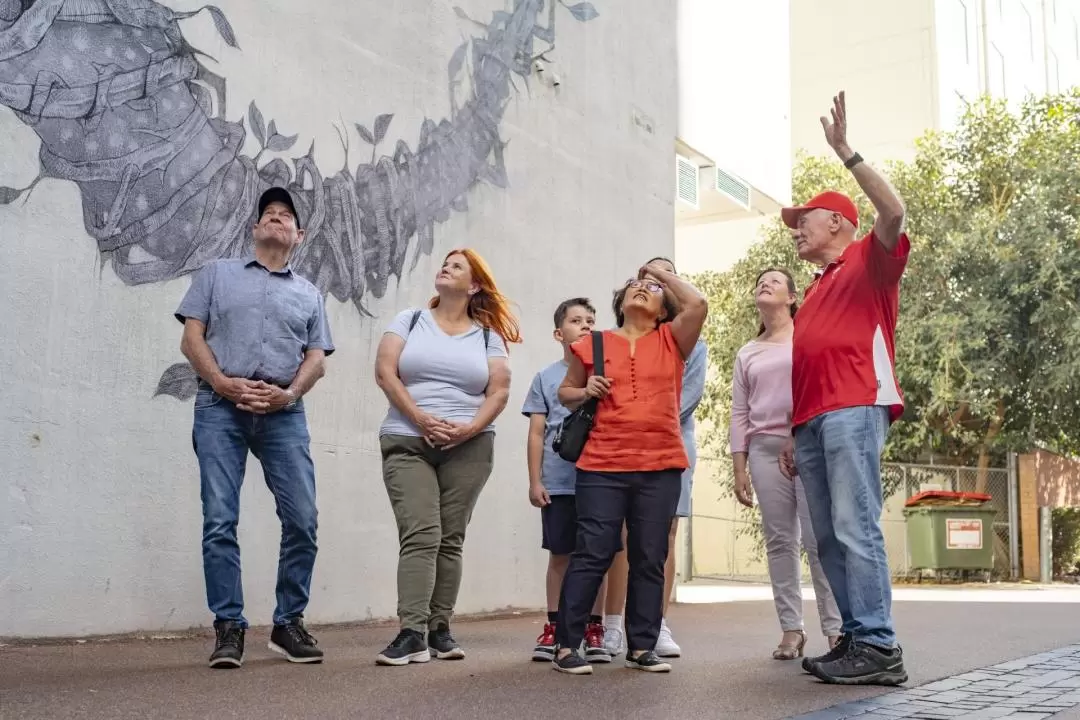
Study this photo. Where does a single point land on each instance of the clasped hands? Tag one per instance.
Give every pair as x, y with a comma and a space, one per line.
443, 434
254, 396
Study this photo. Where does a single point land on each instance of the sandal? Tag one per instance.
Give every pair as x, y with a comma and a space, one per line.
789, 651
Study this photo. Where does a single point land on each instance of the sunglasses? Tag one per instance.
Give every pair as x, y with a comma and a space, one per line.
653, 287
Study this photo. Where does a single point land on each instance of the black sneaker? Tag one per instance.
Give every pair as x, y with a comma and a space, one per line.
839, 651
647, 661
864, 665
229, 646
443, 645
294, 642
572, 664
407, 647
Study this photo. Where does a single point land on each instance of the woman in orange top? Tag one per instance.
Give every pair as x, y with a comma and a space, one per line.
630, 470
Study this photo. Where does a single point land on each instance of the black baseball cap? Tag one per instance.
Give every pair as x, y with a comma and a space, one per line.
281, 195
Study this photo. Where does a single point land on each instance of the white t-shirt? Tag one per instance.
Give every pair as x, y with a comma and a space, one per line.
446, 375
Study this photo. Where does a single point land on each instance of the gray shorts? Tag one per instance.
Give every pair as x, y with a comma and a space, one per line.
683, 509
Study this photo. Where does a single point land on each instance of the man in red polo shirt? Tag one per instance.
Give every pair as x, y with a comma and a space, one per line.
845, 396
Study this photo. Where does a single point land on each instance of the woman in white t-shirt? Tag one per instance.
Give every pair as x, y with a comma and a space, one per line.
445, 371
760, 424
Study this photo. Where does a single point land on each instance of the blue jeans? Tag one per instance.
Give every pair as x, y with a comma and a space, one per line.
222, 436
838, 456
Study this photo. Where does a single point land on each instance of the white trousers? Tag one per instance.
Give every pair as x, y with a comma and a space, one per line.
786, 523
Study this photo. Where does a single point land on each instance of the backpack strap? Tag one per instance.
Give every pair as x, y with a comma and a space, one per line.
416, 318
598, 352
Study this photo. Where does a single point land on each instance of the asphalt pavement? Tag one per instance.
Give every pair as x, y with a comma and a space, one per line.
726, 669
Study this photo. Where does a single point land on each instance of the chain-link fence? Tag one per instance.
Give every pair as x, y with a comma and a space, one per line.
725, 539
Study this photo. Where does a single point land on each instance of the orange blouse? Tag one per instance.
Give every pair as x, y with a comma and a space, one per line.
637, 425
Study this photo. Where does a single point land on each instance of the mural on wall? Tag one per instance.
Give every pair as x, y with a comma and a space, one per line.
126, 110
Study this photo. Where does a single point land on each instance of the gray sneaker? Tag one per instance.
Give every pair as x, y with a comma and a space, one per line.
864, 665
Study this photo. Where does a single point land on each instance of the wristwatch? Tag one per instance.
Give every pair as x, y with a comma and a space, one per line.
292, 395
853, 161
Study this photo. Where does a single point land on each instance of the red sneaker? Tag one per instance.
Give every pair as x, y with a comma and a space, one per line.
545, 644
594, 644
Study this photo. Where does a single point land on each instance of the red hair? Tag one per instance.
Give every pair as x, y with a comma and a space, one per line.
488, 306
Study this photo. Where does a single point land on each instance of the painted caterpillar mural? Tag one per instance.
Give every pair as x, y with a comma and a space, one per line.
125, 109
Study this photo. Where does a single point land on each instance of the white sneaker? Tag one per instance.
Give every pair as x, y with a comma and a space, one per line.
614, 639
666, 647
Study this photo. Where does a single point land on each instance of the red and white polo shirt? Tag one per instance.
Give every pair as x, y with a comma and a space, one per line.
843, 350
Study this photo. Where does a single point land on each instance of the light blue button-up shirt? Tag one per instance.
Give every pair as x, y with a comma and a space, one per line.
259, 323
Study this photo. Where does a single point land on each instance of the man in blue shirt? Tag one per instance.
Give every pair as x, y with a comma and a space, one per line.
552, 480
257, 335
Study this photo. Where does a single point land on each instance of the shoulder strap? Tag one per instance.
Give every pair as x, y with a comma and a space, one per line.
487, 338
415, 318
598, 352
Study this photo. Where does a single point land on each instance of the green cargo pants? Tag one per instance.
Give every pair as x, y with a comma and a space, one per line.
433, 493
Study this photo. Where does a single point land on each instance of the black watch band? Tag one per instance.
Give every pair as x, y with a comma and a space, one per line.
853, 161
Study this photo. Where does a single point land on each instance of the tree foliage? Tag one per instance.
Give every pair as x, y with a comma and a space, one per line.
988, 341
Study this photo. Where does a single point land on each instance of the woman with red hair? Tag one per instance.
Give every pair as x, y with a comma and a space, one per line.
445, 371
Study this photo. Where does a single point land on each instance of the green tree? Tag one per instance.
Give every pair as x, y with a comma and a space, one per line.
988, 341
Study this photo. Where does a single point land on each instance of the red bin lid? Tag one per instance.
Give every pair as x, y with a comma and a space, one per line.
947, 497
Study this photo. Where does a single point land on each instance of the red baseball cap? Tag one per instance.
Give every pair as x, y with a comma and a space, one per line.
829, 200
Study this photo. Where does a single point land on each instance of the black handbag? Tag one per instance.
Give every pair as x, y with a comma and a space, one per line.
571, 435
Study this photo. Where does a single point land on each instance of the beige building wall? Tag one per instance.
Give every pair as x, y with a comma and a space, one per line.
880, 53
908, 67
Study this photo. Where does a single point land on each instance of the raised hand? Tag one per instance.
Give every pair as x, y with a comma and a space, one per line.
836, 128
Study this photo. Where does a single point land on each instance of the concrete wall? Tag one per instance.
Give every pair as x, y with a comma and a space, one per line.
100, 522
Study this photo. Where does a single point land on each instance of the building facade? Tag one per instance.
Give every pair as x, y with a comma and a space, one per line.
406, 129
909, 67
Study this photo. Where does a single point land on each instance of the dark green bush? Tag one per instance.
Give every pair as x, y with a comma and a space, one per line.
1066, 540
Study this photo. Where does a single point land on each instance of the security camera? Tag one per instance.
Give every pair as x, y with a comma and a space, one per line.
556, 81
538, 66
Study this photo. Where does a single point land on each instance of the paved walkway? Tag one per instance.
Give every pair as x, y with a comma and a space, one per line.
725, 672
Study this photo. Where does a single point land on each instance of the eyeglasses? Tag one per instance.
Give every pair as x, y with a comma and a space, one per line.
653, 287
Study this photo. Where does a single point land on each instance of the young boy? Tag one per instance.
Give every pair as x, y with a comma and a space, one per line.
551, 479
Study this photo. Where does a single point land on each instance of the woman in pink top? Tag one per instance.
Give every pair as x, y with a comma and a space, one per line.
760, 424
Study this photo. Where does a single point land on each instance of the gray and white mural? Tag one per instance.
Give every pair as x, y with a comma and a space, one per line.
126, 110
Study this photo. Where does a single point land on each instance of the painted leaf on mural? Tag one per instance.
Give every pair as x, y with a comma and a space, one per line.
584, 11
179, 381
382, 124
223, 26
365, 134
255, 117
9, 195
457, 60
280, 143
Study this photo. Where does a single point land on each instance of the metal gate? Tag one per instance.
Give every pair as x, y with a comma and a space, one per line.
723, 540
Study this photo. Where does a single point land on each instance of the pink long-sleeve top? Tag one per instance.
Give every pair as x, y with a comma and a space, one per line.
760, 392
